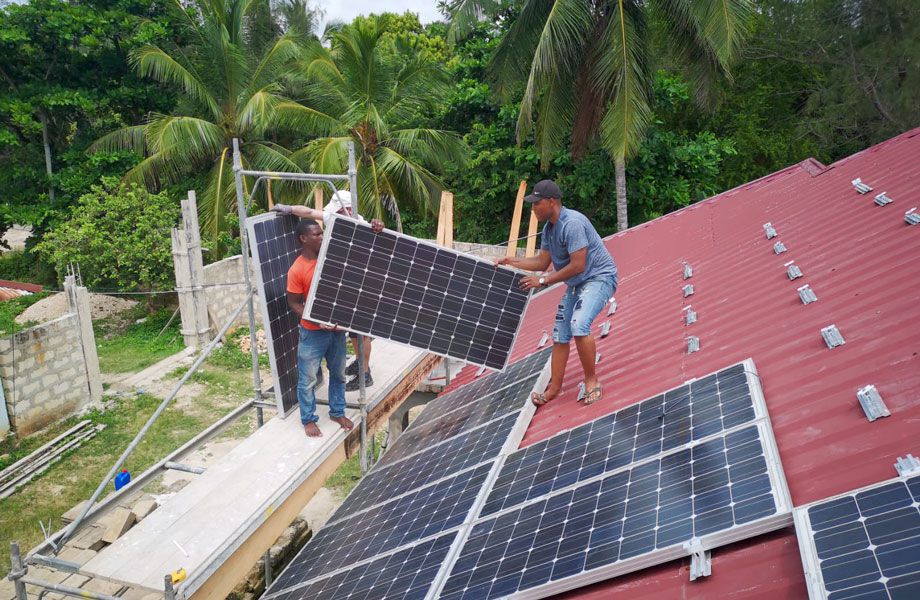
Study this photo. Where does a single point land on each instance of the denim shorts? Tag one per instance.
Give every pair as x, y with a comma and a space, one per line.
578, 308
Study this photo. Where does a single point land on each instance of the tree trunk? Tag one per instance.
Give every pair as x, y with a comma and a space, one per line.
46, 140
619, 165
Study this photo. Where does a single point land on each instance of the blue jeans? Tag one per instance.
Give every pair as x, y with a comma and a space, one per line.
313, 346
578, 308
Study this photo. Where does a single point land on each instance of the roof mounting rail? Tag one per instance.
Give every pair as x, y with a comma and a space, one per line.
806, 295
859, 186
907, 465
605, 329
912, 217
543, 339
883, 199
769, 230
792, 270
690, 317
688, 290
693, 344
872, 403
688, 271
700, 559
832, 336
779, 247
613, 306
480, 370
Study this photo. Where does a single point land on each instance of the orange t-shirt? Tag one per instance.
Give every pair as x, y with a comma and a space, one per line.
299, 278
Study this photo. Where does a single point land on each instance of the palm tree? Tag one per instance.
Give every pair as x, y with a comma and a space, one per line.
368, 89
228, 91
586, 68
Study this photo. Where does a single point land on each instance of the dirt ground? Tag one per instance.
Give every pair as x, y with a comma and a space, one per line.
55, 306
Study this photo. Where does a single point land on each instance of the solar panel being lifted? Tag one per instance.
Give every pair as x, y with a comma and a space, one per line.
863, 545
413, 292
273, 245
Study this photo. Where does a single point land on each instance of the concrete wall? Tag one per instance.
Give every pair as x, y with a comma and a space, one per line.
225, 299
485, 250
44, 374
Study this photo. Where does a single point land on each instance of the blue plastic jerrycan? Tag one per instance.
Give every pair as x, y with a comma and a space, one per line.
122, 479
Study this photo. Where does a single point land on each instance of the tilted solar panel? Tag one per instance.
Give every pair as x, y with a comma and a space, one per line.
864, 544
273, 245
416, 293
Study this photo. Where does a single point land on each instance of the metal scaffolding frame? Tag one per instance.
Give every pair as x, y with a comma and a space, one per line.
45, 553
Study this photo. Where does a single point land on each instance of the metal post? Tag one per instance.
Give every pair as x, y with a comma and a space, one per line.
168, 589
18, 571
362, 399
267, 564
244, 255
156, 414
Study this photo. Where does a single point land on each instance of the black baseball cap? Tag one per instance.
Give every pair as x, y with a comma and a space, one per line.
544, 189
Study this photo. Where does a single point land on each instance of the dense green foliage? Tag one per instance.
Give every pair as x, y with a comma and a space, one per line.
120, 237
167, 86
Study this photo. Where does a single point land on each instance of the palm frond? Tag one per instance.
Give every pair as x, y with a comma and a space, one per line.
297, 118
464, 14
185, 140
411, 181
276, 58
433, 147
151, 61
126, 138
258, 113
515, 53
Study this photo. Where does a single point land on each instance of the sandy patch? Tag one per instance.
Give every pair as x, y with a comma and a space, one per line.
55, 306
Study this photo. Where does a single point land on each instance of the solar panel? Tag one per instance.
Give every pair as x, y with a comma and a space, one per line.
469, 416
403, 575
470, 392
415, 293
864, 544
690, 412
441, 460
348, 538
273, 245
614, 524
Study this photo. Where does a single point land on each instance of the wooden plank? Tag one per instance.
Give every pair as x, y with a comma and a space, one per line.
446, 238
531, 235
516, 220
318, 197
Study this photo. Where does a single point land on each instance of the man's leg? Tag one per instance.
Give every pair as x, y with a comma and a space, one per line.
310, 352
587, 352
591, 298
562, 335
335, 360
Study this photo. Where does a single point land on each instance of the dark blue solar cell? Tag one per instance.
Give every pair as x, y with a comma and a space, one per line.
883, 499
906, 587
849, 570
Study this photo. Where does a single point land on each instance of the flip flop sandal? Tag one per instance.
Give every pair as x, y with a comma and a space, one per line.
538, 399
593, 396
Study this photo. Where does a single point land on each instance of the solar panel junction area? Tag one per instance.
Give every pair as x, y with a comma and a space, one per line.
694, 465
273, 245
863, 544
416, 293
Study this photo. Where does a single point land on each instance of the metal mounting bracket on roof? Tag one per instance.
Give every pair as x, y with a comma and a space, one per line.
806, 295
690, 317
688, 290
613, 306
883, 199
543, 339
872, 403
907, 465
693, 344
832, 336
779, 247
605, 329
912, 217
597, 357
861, 187
481, 370
581, 391
688, 271
700, 559
769, 230
792, 270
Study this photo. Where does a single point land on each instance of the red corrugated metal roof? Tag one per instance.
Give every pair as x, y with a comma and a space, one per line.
14, 289
863, 263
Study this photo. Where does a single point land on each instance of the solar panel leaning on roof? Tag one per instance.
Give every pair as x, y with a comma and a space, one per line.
589, 522
273, 245
864, 544
415, 293
406, 505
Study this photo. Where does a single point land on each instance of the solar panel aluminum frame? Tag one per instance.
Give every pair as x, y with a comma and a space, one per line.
814, 580
782, 517
263, 307
329, 224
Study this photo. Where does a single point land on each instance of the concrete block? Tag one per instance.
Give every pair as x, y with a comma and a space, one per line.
30, 389
102, 586
144, 507
89, 539
137, 594
68, 517
116, 523
76, 580
76, 555
7, 589
47, 575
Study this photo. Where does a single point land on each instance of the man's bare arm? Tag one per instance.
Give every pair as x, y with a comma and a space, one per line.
540, 262
296, 303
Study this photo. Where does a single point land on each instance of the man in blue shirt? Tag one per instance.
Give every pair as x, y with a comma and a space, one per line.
581, 260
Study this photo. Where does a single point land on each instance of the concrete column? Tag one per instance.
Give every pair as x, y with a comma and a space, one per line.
189, 270
78, 301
